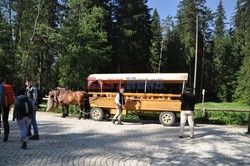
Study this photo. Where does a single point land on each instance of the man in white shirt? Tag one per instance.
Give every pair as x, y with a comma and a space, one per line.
119, 101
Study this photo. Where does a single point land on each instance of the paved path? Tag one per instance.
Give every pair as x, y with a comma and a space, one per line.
71, 141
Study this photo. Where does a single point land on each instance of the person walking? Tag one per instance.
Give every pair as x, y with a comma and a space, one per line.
120, 102
187, 111
4, 109
23, 112
31, 92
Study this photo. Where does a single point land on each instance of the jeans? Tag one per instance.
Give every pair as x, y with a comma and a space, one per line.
34, 123
118, 115
23, 126
187, 115
5, 115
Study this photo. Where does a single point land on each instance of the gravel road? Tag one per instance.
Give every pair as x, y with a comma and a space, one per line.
71, 141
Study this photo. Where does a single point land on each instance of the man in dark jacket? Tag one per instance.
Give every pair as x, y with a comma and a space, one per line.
187, 111
31, 92
23, 112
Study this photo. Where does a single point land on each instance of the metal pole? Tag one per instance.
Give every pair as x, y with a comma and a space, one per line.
183, 86
196, 53
203, 98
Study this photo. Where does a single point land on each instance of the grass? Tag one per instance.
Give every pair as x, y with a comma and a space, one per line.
223, 117
224, 105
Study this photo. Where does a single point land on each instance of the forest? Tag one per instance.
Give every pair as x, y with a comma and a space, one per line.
62, 42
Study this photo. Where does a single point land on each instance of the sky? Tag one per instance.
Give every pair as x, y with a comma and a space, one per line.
169, 7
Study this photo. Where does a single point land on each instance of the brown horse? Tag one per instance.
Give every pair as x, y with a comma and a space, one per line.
64, 98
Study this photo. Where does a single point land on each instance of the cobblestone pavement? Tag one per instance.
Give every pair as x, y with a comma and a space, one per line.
71, 141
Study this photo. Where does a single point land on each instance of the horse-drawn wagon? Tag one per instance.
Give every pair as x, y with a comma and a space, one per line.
144, 93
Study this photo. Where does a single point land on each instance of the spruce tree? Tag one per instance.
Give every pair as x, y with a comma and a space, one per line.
241, 49
87, 49
133, 36
186, 24
219, 50
156, 40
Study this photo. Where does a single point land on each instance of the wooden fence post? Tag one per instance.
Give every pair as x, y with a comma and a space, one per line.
248, 128
203, 107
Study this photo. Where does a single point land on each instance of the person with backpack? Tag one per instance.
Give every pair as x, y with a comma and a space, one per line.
32, 93
7, 98
120, 102
23, 112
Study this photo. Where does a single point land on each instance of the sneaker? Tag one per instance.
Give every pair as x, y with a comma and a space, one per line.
180, 136
120, 123
113, 121
24, 146
34, 137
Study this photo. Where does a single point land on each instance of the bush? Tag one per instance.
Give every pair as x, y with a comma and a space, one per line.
219, 117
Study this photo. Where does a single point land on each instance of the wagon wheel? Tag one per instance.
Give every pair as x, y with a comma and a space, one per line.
96, 114
167, 118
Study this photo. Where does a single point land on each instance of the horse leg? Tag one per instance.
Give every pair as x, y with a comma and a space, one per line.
65, 111
63, 114
81, 113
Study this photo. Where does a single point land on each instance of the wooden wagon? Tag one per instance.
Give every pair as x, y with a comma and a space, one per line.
143, 94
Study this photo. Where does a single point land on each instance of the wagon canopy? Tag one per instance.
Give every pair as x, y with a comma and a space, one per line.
128, 77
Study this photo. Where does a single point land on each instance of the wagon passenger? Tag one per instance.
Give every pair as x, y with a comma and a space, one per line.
119, 101
187, 111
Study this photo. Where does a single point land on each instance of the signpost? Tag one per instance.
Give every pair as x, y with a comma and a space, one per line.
248, 129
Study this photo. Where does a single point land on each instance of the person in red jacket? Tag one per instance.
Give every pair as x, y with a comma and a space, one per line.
5, 109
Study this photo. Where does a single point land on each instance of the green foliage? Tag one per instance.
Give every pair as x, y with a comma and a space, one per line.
220, 117
59, 43
224, 105
156, 40
186, 16
173, 58
228, 118
242, 49
87, 50
243, 89
133, 35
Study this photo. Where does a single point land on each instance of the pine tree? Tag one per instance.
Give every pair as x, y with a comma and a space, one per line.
219, 50
241, 49
133, 36
87, 50
186, 24
7, 58
206, 73
156, 40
